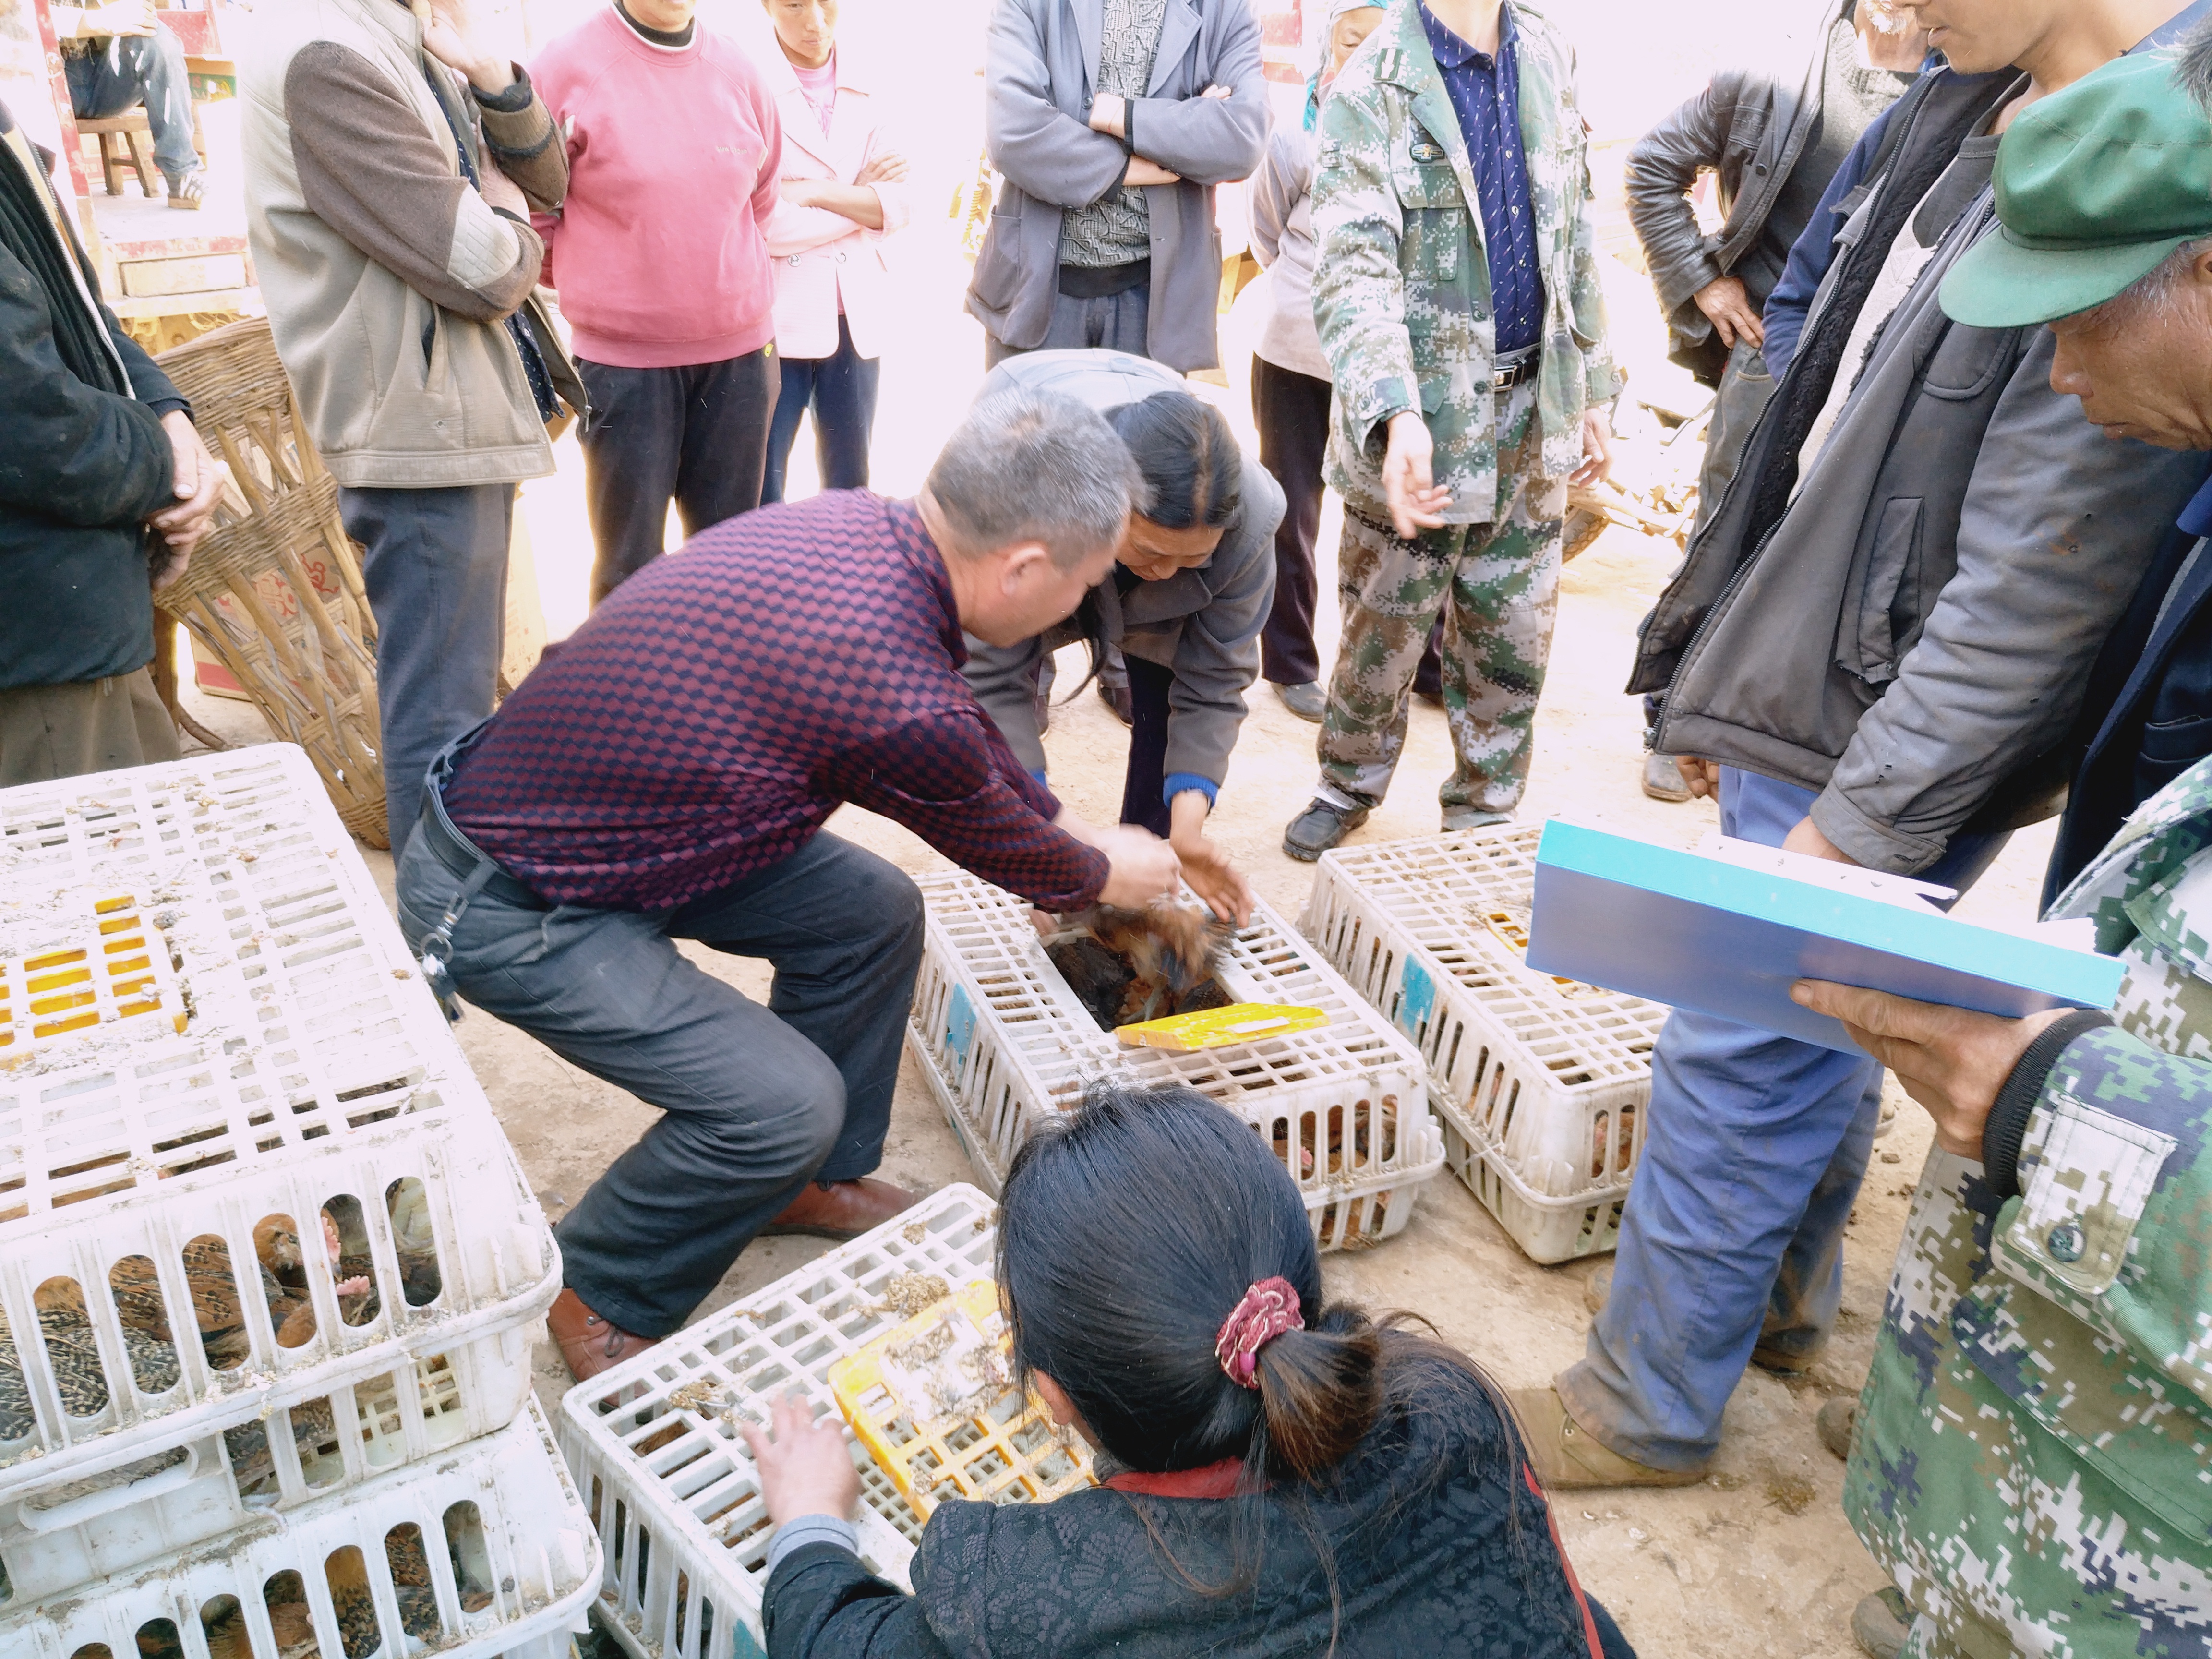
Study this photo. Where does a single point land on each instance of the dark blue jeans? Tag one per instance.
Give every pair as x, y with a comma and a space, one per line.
130, 69
755, 1100
841, 392
434, 564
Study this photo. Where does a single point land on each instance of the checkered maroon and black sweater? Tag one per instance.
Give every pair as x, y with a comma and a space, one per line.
717, 708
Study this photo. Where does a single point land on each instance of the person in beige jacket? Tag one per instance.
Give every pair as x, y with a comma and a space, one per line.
843, 191
394, 258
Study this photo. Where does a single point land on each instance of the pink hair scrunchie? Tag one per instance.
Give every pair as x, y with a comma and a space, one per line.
1269, 1309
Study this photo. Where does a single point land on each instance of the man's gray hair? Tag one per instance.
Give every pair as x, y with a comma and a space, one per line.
2156, 292
2192, 73
1036, 466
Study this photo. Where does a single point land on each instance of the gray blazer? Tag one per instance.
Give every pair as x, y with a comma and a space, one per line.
1203, 624
1042, 65
1914, 638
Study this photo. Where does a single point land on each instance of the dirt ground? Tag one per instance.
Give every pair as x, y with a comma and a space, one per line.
1755, 1561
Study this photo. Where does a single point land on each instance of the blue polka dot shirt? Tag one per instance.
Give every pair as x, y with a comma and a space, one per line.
1486, 95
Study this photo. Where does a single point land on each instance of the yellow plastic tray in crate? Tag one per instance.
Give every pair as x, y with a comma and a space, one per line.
934, 1402
106, 965
1221, 1028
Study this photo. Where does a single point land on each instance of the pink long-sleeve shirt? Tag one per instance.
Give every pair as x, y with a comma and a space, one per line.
673, 158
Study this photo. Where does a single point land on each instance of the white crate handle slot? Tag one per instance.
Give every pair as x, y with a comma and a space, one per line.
78, 1510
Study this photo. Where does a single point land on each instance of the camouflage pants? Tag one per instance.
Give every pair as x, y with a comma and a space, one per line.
1497, 586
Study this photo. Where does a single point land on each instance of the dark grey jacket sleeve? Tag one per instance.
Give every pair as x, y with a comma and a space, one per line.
1216, 657
2058, 523
1662, 168
1004, 678
1211, 141
1042, 150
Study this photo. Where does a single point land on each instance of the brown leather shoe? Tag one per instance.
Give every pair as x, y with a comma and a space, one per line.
589, 1343
1569, 1457
842, 1209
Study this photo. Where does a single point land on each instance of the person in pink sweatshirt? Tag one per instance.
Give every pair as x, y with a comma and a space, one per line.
675, 149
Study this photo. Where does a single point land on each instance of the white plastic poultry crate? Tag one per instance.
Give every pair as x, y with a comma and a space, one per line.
667, 1477
1003, 1042
263, 1064
500, 1561
1541, 1083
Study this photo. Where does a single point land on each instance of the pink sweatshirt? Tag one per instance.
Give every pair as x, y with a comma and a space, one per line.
673, 159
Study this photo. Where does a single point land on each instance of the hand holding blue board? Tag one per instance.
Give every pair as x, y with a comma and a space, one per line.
1728, 935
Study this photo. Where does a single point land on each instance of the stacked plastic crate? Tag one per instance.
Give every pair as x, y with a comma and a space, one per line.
1541, 1082
270, 1273
1004, 1041
667, 1477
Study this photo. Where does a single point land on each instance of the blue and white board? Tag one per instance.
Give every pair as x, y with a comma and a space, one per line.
1725, 938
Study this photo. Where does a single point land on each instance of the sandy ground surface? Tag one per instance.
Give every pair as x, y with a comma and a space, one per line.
1756, 1560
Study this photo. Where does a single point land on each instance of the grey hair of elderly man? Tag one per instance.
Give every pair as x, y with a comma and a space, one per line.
1030, 503
1031, 467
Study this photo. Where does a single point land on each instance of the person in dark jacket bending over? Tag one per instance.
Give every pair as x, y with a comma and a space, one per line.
105, 488
1278, 1474
1774, 135
666, 777
1185, 601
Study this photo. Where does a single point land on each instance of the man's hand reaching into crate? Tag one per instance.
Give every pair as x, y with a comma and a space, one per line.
806, 1467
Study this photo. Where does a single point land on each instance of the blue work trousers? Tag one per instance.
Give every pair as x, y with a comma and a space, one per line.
126, 71
1733, 1235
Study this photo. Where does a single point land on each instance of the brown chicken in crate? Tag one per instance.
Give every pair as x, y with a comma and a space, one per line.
1129, 966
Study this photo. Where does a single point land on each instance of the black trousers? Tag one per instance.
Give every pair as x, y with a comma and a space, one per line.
840, 390
1291, 411
695, 434
1148, 746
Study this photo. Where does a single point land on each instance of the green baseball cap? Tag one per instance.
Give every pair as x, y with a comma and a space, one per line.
2094, 186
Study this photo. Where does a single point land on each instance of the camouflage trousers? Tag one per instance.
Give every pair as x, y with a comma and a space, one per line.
1497, 586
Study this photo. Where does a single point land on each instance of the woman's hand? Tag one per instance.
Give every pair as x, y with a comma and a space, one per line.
1205, 867
887, 168
805, 1467
801, 193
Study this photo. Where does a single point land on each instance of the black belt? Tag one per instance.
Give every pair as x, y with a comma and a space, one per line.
1504, 376
462, 858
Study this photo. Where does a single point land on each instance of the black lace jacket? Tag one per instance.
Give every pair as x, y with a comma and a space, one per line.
1466, 1566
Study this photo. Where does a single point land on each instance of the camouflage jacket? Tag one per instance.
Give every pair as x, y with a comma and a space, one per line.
2034, 1460
1401, 291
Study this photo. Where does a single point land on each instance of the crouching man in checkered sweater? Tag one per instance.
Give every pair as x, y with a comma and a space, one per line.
666, 776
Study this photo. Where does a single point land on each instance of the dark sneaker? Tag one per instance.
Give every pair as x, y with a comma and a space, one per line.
1318, 828
1308, 702
1114, 694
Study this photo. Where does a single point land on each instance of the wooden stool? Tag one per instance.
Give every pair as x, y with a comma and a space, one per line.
127, 141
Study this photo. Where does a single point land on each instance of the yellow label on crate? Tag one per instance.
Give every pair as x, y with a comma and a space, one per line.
1511, 929
934, 1402
1221, 1028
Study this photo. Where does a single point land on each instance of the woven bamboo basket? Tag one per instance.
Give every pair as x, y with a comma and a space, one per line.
275, 591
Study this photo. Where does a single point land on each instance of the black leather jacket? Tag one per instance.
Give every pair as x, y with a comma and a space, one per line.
1750, 126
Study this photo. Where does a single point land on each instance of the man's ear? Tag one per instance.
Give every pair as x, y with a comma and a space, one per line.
1019, 563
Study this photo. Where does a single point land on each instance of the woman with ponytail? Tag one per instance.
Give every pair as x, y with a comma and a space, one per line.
1278, 1474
